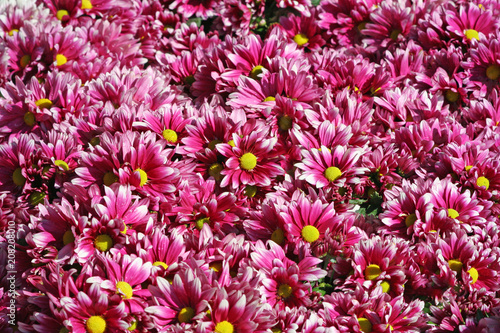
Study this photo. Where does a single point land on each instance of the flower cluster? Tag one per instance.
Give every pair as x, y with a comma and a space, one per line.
251, 166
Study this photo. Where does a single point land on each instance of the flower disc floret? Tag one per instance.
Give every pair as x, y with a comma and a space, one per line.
386, 286
103, 242
333, 173
453, 213
144, 176
86, 4
310, 233
365, 325
61, 59
372, 272
256, 71
410, 220
278, 236
200, 222
109, 178
285, 123
285, 290
61, 13
63, 165
68, 237
96, 324
493, 72
185, 315
455, 265
18, 178
160, 263
248, 161
224, 327
451, 96
483, 181
471, 34
474, 274
25, 60
44, 103
300, 39
125, 289
170, 135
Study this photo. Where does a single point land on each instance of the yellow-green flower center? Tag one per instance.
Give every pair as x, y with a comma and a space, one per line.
201, 222
63, 165
189, 80
310, 233
18, 178
386, 286
250, 191
278, 236
144, 176
333, 173
410, 220
61, 59
103, 242
25, 60
493, 72
109, 178
63, 330
61, 13
170, 135
372, 272
468, 167
473, 274
29, 118
256, 71
455, 265
44, 103
211, 144
133, 326
471, 34
365, 325
185, 315
160, 263
285, 123
86, 4
483, 181
269, 99
224, 327
12, 31
248, 161
37, 198
68, 237
395, 34
285, 290
125, 289
215, 170
451, 96
453, 213
216, 266
300, 39
231, 143
96, 324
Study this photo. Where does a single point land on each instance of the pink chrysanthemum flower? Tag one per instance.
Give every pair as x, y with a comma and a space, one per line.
468, 21
184, 300
303, 31
324, 167
251, 159
302, 6
266, 223
198, 8
93, 312
484, 62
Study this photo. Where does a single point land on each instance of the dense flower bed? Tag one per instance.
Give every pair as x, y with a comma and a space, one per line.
250, 166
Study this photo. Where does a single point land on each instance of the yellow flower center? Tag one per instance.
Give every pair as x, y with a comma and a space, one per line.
96, 324
493, 72
61, 13
278, 236
216, 266
86, 4
103, 242
144, 176
471, 34
451, 96
201, 222
109, 178
11, 32
269, 99
473, 274
231, 143
455, 265
310, 233
285, 123
224, 327
44, 103
63, 165
468, 167
300, 39
160, 263
386, 286
61, 59
256, 71
133, 326
185, 315
68, 237
37, 198
365, 325
25, 60
333, 173
361, 26
483, 181
250, 191
29, 118
125, 289
211, 144
215, 170
189, 80
285, 290
453, 213
63, 330
170, 135
395, 34
248, 161
410, 220
18, 178
372, 272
